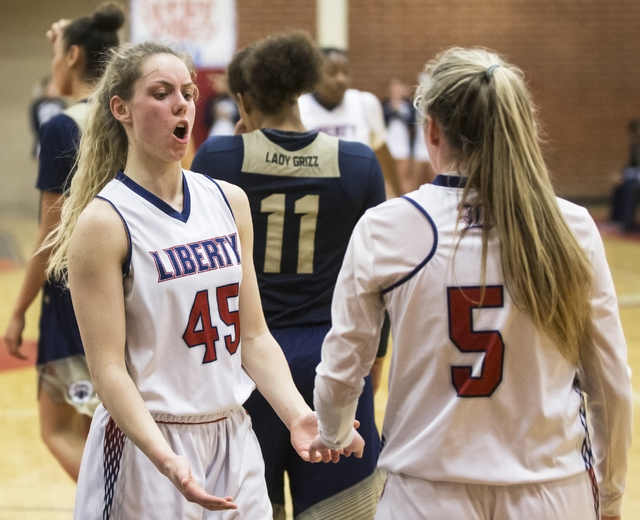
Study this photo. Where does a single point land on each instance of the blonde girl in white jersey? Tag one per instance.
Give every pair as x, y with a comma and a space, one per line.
160, 268
503, 315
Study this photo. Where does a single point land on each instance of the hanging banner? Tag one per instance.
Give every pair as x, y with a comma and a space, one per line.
206, 29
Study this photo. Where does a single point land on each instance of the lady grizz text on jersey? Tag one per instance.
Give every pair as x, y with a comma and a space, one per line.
298, 160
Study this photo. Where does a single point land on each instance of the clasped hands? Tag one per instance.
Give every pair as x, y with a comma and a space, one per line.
308, 443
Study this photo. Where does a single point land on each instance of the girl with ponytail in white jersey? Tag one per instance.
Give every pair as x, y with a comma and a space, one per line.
504, 318
160, 268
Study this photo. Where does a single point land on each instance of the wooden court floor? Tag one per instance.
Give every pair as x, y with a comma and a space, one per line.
34, 487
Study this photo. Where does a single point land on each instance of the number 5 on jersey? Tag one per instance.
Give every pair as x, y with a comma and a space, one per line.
200, 329
462, 302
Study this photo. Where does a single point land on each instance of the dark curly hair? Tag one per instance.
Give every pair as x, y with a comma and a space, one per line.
276, 70
95, 34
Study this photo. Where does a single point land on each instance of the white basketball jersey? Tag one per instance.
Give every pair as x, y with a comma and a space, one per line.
181, 290
476, 394
357, 118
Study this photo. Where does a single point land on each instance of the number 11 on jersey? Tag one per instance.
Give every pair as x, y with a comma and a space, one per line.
306, 206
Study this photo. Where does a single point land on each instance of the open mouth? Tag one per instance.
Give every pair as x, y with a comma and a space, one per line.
180, 132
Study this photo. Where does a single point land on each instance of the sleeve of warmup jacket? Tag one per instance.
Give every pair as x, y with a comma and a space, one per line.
349, 350
605, 378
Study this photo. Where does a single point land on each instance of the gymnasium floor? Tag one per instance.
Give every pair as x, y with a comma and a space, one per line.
34, 487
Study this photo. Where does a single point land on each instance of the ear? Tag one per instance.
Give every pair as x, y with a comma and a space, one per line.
73, 56
433, 132
120, 109
244, 103
246, 112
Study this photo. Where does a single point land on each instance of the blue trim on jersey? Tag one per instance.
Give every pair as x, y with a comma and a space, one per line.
157, 201
127, 264
450, 181
223, 195
431, 253
290, 141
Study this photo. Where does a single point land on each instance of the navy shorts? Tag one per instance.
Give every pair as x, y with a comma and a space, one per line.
310, 483
59, 333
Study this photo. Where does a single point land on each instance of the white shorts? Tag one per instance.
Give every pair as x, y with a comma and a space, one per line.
118, 482
408, 497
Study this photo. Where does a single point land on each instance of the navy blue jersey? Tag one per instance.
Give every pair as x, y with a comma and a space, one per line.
306, 192
59, 138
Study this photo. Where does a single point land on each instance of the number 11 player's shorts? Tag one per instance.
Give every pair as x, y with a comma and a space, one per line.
348, 490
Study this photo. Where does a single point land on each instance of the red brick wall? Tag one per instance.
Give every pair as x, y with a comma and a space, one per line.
256, 19
259, 18
581, 59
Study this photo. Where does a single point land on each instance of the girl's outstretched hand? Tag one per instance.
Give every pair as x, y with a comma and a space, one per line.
178, 470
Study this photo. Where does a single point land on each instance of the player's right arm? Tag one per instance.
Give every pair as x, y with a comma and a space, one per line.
350, 347
97, 252
50, 205
55, 163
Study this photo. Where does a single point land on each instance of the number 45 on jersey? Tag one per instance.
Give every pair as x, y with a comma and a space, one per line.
200, 329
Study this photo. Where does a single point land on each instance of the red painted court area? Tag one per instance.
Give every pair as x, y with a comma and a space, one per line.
7, 265
7, 362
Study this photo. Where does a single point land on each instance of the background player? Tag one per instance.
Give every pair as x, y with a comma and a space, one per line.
46, 104
503, 311
347, 113
306, 191
399, 119
66, 397
166, 256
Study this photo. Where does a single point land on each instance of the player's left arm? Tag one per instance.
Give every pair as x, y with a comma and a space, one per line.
389, 170
262, 357
378, 140
605, 378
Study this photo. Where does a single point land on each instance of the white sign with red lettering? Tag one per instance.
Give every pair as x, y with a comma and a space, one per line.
206, 29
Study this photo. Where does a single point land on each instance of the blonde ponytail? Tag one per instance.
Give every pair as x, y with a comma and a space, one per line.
487, 116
